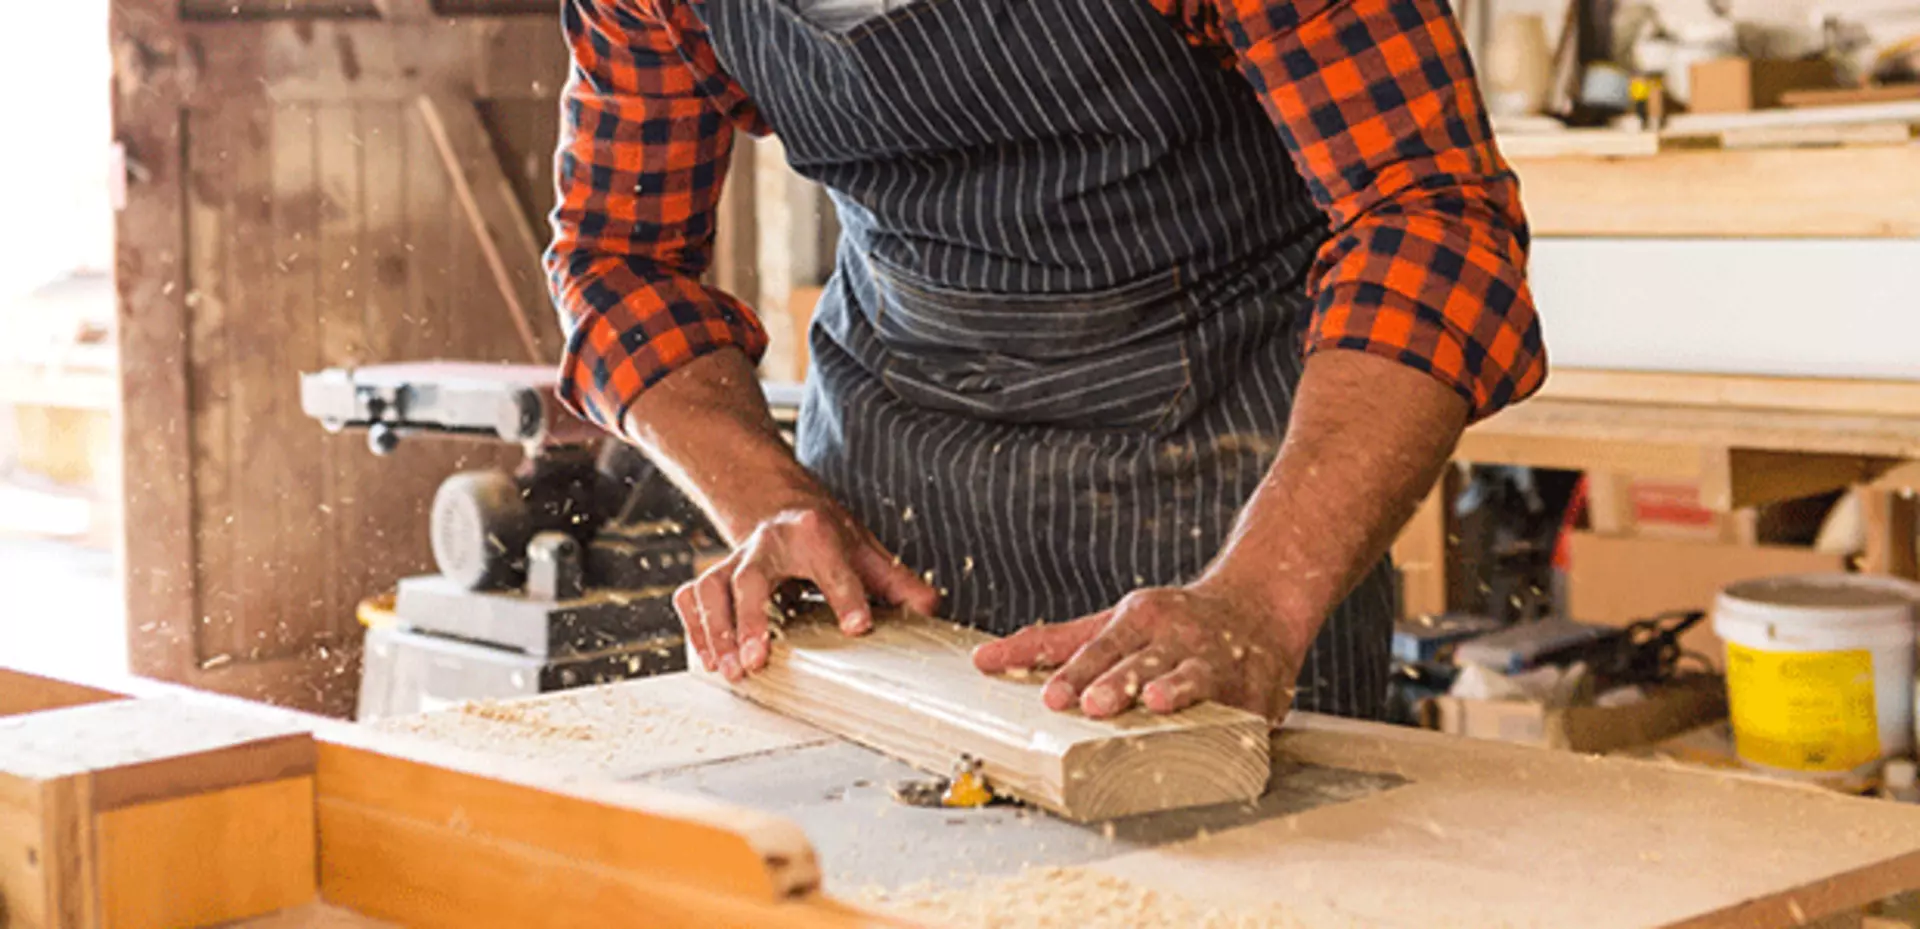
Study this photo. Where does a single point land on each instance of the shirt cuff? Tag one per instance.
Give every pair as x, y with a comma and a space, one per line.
1499, 361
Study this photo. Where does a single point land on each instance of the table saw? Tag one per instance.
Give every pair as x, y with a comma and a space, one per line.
669, 801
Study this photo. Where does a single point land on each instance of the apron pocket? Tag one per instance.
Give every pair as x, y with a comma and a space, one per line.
1143, 387
1116, 358
915, 314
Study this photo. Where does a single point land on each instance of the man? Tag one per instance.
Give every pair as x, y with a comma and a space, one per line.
1151, 320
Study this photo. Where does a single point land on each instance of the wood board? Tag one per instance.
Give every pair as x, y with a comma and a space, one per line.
909, 689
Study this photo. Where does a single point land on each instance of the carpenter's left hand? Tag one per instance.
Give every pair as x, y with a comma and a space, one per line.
1164, 647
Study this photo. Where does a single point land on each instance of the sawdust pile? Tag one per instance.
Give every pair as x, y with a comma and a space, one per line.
606, 730
1067, 898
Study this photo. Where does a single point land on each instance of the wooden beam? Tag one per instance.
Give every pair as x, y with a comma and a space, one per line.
1422, 552
1891, 525
1739, 478
508, 243
157, 544
909, 689
1871, 192
1814, 395
1662, 431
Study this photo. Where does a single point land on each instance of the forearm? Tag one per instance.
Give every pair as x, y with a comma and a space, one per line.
1367, 440
708, 427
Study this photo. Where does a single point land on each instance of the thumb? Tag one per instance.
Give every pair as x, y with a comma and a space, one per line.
893, 582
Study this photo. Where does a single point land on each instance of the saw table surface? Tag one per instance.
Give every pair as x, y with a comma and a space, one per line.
1362, 825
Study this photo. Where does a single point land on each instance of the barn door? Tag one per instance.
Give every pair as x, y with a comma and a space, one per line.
309, 183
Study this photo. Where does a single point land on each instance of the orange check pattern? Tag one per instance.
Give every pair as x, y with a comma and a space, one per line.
1374, 98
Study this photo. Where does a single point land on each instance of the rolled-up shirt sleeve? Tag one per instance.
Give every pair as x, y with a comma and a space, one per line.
643, 152
1426, 261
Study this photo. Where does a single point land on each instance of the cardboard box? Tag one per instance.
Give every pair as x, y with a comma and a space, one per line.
1616, 581
1668, 711
1737, 85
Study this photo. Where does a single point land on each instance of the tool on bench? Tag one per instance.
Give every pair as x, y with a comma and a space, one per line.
966, 788
558, 575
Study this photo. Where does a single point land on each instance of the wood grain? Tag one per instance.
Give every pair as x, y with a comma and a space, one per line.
909, 689
207, 858
1866, 192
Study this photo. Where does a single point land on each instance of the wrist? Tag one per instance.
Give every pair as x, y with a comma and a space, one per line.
1273, 592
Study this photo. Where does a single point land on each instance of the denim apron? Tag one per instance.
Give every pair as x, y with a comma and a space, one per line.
1059, 347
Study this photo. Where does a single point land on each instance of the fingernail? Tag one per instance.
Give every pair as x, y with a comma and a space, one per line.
730, 667
855, 622
1058, 695
754, 653
1097, 702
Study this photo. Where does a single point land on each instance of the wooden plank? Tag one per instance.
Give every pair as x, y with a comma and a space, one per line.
1805, 394
207, 858
1697, 123
23, 692
1887, 133
1868, 192
493, 212
340, 324
1850, 95
909, 689
1655, 440
1592, 143
428, 835
157, 546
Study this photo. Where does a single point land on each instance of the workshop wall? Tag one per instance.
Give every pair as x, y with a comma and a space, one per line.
310, 184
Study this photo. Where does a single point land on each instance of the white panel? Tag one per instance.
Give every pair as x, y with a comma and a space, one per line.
1808, 307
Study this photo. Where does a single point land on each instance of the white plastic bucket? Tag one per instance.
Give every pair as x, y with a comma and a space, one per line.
1819, 672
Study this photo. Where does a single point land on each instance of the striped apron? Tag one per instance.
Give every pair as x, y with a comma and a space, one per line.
1058, 350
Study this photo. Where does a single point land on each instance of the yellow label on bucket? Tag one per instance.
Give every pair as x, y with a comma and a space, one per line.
1803, 711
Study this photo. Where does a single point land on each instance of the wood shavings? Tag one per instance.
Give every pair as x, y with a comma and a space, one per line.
1067, 898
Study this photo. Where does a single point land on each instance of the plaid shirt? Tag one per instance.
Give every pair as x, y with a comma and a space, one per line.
1374, 98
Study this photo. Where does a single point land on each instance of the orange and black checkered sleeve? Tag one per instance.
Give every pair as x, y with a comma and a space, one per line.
645, 139
1426, 261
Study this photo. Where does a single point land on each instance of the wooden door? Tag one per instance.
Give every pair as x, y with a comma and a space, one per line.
309, 183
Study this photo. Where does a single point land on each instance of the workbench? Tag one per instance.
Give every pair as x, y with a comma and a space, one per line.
673, 799
1699, 330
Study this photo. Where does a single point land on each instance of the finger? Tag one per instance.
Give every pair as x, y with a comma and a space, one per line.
893, 582
845, 595
1120, 637
715, 600
688, 609
1044, 646
1116, 690
1184, 686
752, 598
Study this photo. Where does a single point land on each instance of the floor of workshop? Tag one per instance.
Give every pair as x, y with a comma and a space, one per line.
63, 611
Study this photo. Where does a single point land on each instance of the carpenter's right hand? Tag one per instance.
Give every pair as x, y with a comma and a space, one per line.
725, 610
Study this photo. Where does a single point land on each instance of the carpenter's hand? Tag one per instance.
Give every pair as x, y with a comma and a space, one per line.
725, 610
1167, 648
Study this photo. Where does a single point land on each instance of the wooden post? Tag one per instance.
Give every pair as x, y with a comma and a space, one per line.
1889, 517
1423, 551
